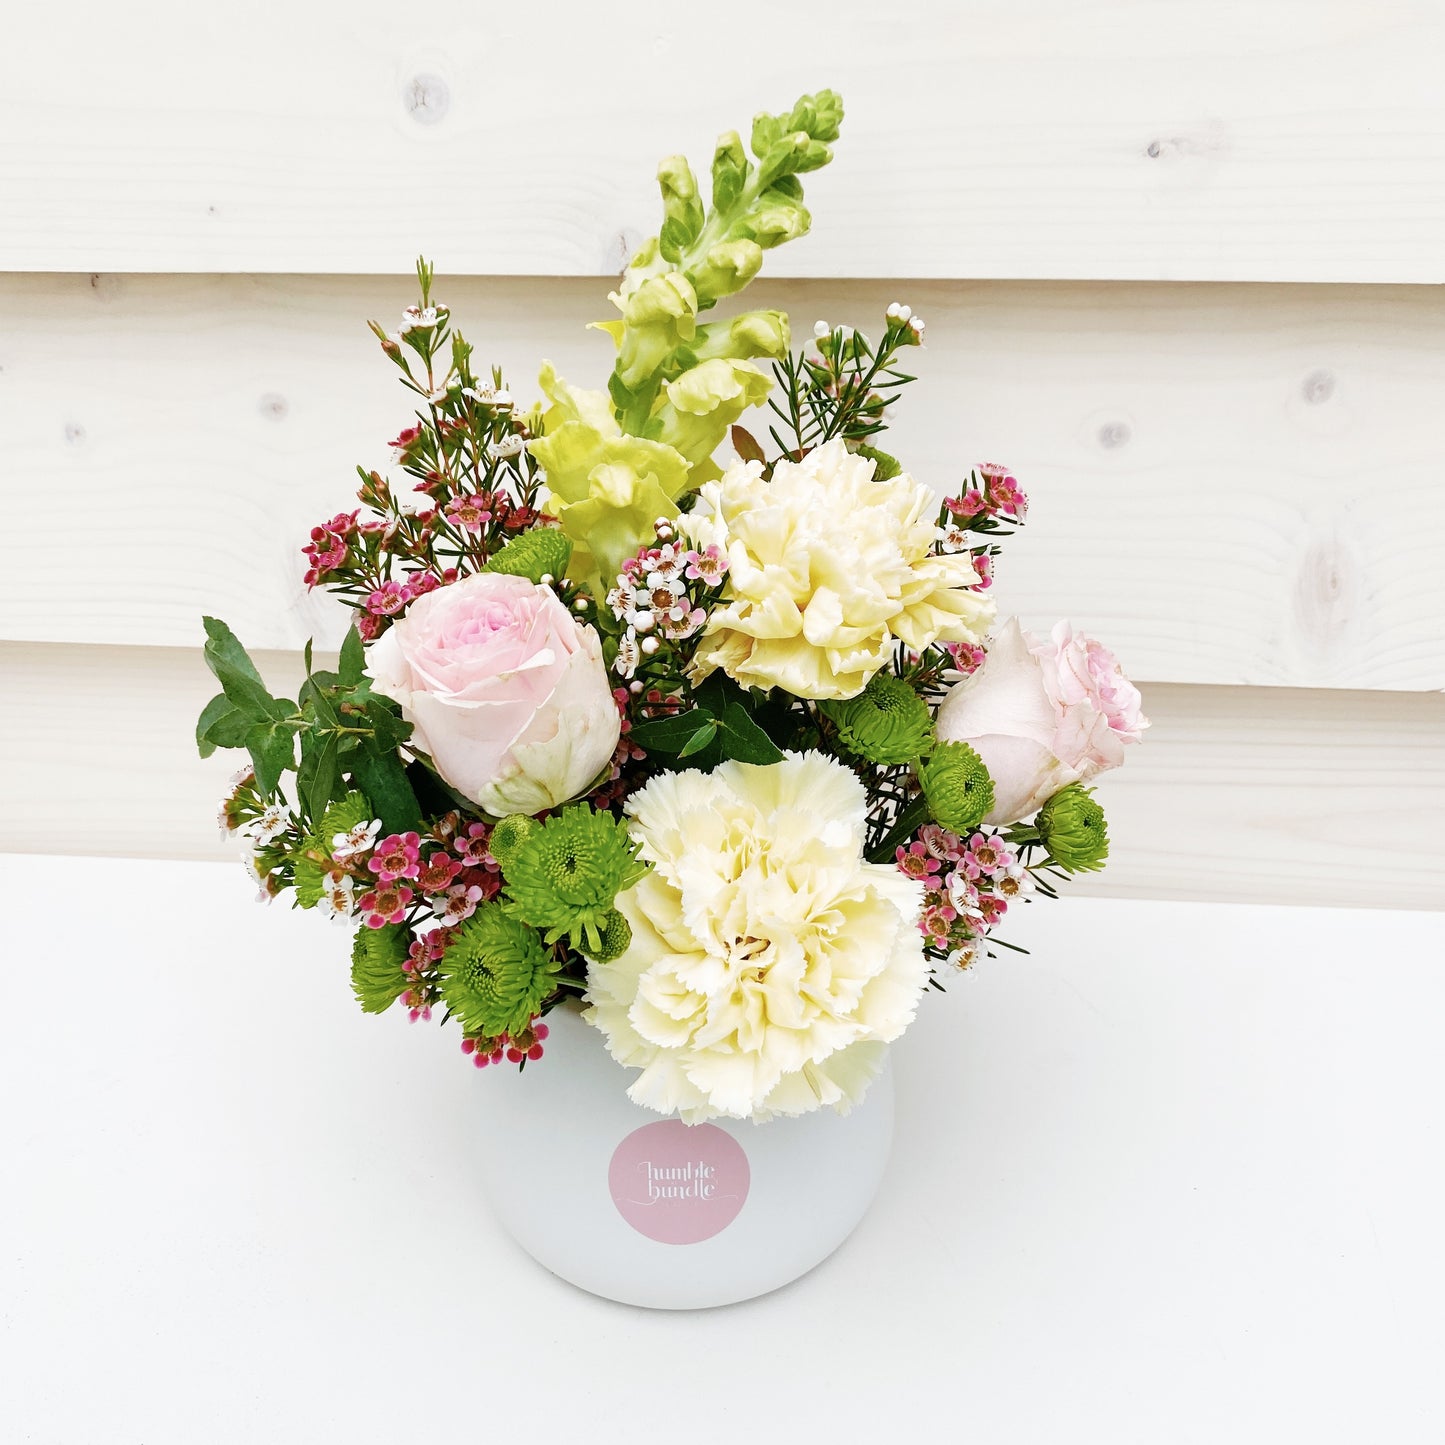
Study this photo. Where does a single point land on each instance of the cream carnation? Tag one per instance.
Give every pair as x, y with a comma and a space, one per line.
827, 568
769, 964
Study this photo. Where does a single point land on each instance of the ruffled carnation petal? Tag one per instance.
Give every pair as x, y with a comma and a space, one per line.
828, 568
765, 951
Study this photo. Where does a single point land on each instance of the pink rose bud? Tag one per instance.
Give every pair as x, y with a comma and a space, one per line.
1042, 715
505, 690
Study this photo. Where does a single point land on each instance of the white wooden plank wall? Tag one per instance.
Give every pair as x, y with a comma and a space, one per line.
1151, 139
1235, 483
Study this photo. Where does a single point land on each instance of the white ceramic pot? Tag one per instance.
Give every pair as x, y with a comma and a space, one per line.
649, 1211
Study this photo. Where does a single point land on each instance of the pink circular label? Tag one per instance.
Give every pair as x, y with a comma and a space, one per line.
679, 1183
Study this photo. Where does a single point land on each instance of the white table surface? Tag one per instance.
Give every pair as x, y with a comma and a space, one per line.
1175, 1177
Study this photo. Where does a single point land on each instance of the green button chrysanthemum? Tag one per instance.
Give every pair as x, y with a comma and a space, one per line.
886, 723
508, 836
568, 872
377, 976
1073, 829
542, 552
957, 786
616, 934
495, 973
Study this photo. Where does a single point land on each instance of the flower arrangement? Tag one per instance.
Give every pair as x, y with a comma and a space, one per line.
717, 735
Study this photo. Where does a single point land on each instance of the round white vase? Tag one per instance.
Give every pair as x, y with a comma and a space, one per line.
649, 1211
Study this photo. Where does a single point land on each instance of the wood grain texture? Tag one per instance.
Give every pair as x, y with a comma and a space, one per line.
1241, 794
1231, 484
1298, 140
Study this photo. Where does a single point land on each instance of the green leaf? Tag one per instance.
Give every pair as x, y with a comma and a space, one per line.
353, 658
389, 729
318, 779
699, 740
317, 703
669, 734
220, 725
383, 779
272, 746
237, 674
377, 976
744, 740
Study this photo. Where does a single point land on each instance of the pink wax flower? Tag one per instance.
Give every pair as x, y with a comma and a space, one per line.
470, 513
438, 873
458, 903
388, 599
473, 845
710, 565
385, 904
915, 861
968, 506
967, 658
396, 857
1005, 496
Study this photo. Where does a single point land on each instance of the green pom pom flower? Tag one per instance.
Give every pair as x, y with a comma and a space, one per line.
886, 723
542, 552
508, 837
567, 873
313, 861
957, 786
352, 811
307, 875
496, 974
1072, 827
377, 976
616, 935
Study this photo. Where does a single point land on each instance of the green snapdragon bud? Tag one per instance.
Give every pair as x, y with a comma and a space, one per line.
730, 171
681, 207
778, 220
703, 403
744, 337
791, 155
1073, 829
724, 270
657, 317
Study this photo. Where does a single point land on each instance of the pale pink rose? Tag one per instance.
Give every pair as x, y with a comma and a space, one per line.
1042, 715
506, 692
